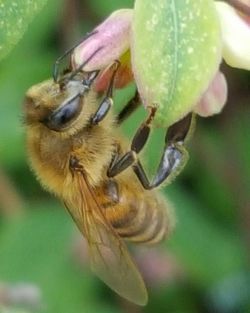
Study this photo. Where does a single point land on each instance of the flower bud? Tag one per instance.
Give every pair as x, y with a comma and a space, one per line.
110, 40
214, 99
235, 36
123, 75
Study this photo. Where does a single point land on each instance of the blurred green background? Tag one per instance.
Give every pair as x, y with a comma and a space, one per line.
204, 267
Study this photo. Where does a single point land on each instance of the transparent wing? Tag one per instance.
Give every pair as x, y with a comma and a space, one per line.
109, 257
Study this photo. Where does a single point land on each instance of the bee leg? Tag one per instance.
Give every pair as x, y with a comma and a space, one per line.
119, 164
107, 102
74, 164
87, 82
129, 108
112, 192
174, 156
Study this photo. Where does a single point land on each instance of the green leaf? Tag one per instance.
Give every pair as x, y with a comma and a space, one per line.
15, 17
176, 50
104, 8
209, 252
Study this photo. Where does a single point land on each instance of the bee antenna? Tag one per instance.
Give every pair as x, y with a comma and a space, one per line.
77, 70
62, 82
57, 63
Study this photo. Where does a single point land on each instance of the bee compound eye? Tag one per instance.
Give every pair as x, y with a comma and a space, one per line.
64, 115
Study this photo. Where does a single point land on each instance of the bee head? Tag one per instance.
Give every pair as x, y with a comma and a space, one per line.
40, 100
57, 106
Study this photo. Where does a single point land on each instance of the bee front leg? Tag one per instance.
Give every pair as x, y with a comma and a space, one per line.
107, 102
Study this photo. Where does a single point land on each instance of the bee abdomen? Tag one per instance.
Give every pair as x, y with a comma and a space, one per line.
138, 215
148, 225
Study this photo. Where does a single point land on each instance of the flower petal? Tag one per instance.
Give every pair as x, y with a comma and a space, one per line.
236, 36
112, 38
214, 99
123, 76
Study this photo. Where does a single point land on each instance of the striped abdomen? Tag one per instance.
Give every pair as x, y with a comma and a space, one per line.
138, 215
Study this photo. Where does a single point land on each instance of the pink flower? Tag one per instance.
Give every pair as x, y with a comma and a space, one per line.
235, 29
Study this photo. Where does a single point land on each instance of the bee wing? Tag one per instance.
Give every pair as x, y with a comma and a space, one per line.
109, 257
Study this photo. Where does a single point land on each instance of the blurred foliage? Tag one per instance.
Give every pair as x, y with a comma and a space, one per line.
15, 17
211, 243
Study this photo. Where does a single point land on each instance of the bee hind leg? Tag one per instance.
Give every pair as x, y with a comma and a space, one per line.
172, 161
107, 102
174, 156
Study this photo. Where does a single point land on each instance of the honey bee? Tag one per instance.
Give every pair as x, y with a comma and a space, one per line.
75, 154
